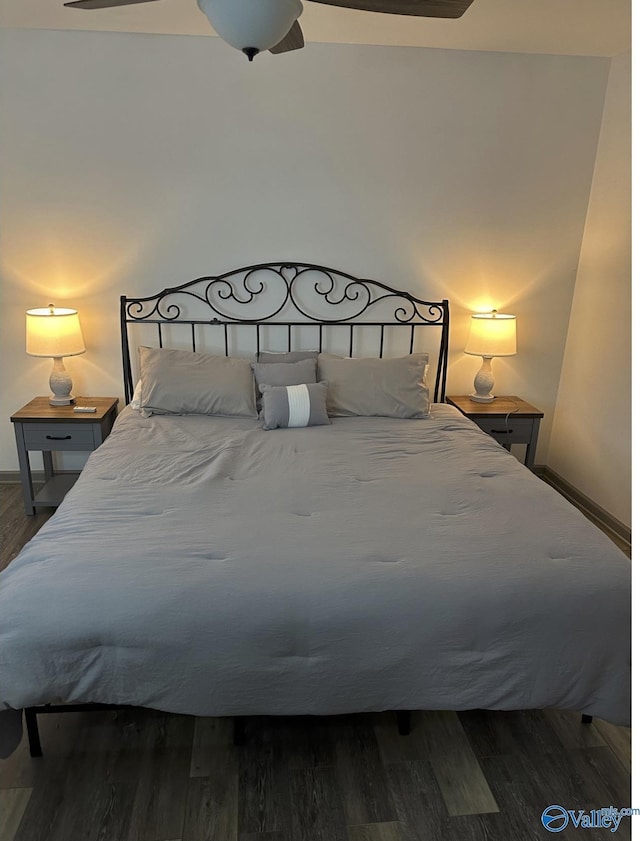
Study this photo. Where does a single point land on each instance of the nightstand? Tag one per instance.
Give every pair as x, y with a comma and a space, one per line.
509, 420
39, 426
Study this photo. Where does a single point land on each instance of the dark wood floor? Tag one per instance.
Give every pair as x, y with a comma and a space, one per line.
136, 775
16, 528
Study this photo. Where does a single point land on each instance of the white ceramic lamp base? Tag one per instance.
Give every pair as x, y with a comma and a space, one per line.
483, 383
60, 384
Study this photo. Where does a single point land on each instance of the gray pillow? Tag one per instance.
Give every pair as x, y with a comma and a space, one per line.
285, 373
185, 383
294, 405
390, 388
270, 357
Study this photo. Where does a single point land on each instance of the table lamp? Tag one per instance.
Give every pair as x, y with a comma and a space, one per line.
490, 334
55, 331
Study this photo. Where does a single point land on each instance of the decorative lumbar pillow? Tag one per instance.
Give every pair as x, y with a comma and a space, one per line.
390, 388
269, 357
182, 382
294, 405
285, 373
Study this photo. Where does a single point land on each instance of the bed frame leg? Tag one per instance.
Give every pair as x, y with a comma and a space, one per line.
31, 720
586, 719
239, 732
404, 722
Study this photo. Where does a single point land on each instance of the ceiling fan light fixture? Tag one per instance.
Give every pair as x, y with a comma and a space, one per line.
251, 25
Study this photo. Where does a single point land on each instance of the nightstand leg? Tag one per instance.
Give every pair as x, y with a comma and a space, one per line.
25, 471
531, 446
47, 459
529, 456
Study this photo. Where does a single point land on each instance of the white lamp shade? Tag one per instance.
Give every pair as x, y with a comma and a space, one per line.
492, 334
54, 331
245, 24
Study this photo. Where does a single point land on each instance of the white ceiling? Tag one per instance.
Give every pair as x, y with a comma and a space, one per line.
565, 27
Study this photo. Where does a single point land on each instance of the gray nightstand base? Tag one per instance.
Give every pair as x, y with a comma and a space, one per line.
55, 490
41, 427
509, 420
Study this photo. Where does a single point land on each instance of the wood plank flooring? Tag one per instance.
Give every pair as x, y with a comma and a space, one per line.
16, 528
139, 775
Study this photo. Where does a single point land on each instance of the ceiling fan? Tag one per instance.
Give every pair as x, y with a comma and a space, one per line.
256, 25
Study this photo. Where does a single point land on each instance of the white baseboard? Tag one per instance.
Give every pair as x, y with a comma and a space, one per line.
585, 504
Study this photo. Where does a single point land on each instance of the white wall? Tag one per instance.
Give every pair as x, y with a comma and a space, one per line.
129, 163
591, 436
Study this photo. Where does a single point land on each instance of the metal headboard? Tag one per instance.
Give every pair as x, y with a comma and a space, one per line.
293, 295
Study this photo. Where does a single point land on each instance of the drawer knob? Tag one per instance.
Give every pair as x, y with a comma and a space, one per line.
58, 437
502, 431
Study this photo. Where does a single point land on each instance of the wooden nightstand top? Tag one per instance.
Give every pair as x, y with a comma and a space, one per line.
500, 406
39, 410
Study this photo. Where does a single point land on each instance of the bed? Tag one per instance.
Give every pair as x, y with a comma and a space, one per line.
209, 566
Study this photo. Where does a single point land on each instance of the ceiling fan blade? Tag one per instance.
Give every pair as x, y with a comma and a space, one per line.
418, 8
103, 4
293, 40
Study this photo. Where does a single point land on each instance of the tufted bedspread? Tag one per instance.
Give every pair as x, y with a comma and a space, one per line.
205, 566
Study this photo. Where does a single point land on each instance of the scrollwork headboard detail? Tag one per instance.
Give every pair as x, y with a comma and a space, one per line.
288, 296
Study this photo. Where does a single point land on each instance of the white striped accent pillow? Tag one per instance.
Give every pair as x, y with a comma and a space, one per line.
291, 406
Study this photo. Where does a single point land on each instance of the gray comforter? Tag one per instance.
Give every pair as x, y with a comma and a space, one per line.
206, 566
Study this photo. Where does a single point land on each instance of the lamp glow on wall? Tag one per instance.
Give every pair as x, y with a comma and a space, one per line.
490, 334
55, 331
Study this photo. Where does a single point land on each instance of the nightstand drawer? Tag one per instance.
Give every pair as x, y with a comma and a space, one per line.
58, 436
511, 430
